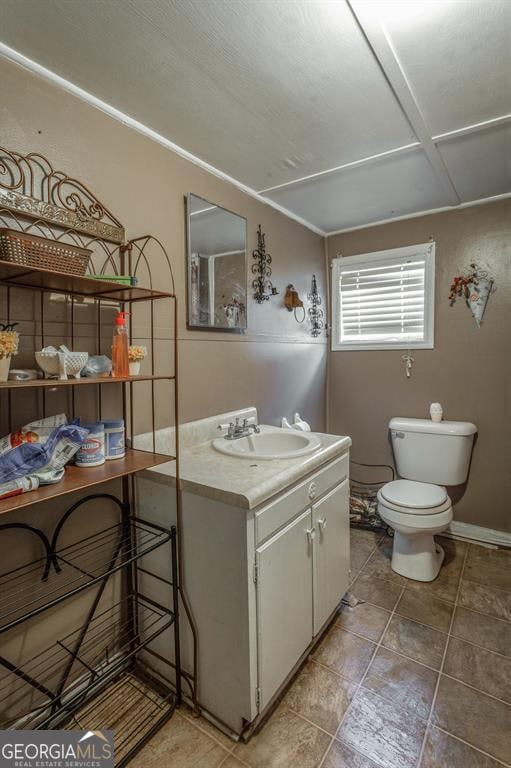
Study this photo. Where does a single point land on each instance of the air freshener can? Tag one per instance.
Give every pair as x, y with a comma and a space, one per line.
114, 439
92, 451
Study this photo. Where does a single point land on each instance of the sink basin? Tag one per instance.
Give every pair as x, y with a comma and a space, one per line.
270, 443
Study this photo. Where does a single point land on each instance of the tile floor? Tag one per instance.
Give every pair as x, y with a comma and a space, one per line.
416, 675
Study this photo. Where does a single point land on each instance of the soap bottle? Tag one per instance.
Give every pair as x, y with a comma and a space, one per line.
120, 362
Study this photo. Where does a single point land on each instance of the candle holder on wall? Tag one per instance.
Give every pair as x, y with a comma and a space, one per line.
315, 313
262, 285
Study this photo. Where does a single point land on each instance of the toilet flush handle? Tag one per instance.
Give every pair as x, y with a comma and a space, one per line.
397, 434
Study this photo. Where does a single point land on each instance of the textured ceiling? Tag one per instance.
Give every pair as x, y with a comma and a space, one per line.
273, 93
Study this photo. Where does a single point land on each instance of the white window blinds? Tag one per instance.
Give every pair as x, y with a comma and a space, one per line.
384, 300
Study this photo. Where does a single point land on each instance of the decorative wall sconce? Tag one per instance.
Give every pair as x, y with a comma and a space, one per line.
292, 302
315, 313
475, 284
262, 285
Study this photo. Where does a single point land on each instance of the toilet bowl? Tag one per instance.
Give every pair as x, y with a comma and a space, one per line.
416, 511
428, 456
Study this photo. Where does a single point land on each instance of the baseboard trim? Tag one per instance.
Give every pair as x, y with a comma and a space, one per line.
468, 532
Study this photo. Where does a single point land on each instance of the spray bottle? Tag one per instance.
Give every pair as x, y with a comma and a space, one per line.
120, 362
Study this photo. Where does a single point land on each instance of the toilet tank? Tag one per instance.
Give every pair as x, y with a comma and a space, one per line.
432, 452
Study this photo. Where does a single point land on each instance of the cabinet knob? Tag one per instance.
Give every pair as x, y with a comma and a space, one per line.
312, 490
311, 533
322, 523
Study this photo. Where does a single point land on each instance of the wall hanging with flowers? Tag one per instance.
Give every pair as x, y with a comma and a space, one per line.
475, 285
9, 339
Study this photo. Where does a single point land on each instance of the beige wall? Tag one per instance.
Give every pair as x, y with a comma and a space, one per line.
468, 371
276, 365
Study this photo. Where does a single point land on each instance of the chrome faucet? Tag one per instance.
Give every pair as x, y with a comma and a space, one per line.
235, 429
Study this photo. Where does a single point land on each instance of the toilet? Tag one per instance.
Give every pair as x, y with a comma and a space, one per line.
428, 455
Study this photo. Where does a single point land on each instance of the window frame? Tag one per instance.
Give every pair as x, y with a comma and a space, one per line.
425, 250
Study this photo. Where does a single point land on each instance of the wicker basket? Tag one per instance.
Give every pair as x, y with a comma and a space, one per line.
41, 253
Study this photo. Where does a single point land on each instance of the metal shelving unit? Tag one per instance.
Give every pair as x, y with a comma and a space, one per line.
64, 572
52, 685
75, 679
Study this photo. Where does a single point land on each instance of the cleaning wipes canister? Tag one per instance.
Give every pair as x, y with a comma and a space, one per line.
92, 451
114, 439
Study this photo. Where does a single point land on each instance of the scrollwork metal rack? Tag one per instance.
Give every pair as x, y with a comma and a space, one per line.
96, 676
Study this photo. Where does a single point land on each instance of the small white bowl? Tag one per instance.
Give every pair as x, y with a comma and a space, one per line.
61, 364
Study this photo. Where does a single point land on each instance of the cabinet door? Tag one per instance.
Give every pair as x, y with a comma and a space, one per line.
331, 552
284, 603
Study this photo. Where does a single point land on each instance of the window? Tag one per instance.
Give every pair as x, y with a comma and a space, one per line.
384, 300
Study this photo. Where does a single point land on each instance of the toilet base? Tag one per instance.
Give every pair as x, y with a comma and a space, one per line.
417, 557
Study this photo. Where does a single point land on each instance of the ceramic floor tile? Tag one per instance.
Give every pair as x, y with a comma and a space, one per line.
379, 592
209, 728
425, 609
483, 722
385, 733
364, 619
379, 563
454, 551
345, 653
230, 762
444, 588
493, 634
341, 756
416, 641
490, 567
443, 751
402, 682
368, 538
479, 597
321, 696
485, 670
180, 745
362, 543
358, 556
286, 740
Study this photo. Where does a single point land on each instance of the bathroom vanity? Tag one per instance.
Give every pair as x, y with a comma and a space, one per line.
266, 559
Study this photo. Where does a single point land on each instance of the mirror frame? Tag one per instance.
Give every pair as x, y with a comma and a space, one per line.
213, 328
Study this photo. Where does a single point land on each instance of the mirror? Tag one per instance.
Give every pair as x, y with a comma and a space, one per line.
217, 277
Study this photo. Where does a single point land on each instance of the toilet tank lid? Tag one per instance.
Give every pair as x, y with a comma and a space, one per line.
456, 428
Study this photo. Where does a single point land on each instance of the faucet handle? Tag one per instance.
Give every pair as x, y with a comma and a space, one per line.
225, 426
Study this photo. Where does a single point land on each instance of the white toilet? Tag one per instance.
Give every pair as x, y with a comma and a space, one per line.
428, 455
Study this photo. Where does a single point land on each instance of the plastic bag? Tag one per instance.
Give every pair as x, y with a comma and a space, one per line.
28, 458
35, 432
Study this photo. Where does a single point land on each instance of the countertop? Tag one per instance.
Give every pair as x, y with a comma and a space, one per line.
245, 483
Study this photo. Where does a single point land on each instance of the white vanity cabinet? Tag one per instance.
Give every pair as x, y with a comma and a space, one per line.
261, 582
301, 574
331, 526
284, 578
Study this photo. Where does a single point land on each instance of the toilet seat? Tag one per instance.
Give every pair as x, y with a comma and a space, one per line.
412, 497
407, 521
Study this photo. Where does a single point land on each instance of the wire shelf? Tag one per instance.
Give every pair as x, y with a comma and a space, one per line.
84, 381
48, 687
45, 681
129, 708
72, 285
41, 584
